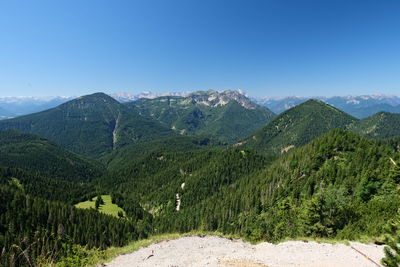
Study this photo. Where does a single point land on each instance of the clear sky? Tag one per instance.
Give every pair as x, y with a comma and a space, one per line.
267, 48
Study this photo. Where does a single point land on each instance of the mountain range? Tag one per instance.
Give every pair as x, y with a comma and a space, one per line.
358, 106
206, 161
23, 105
4, 114
97, 124
227, 115
90, 125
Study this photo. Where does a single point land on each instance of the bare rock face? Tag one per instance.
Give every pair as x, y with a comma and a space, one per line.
215, 98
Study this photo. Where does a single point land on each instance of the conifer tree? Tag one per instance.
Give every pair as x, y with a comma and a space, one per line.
392, 239
99, 202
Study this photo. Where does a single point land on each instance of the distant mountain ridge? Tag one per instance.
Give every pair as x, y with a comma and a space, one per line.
128, 97
22, 105
358, 106
227, 115
5, 114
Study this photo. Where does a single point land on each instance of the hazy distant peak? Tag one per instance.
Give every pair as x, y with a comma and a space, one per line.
128, 97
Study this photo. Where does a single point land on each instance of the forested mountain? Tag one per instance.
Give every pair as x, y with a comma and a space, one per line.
122, 157
296, 127
39, 182
41, 168
36, 154
340, 185
90, 125
157, 180
380, 125
226, 115
34, 231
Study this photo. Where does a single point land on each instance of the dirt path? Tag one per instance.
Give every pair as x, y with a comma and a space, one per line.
223, 252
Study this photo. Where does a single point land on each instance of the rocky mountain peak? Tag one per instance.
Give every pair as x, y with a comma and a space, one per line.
220, 98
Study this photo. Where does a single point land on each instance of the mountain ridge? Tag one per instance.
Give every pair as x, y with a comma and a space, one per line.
90, 125
296, 127
359, 106
380, 125
228, 115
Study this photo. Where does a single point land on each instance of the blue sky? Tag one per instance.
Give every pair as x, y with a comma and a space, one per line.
267, 48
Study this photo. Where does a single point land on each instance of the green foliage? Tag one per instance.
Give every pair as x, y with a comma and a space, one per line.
392, 240
14, 182
74, 256
99, 201
392, 229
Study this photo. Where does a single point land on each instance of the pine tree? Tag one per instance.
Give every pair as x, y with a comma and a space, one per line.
99, 202
392, 239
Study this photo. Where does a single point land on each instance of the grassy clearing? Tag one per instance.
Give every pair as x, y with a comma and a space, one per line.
107, 208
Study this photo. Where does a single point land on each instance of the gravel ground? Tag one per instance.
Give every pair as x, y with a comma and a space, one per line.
223, 252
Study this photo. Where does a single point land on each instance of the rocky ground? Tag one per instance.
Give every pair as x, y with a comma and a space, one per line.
218, 251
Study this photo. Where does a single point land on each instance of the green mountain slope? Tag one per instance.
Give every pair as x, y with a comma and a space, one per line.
36, 154
120, 158
296, 127
90, 125
226, 115
380, 125
44, 169
154, 179
39, 182
340, 185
